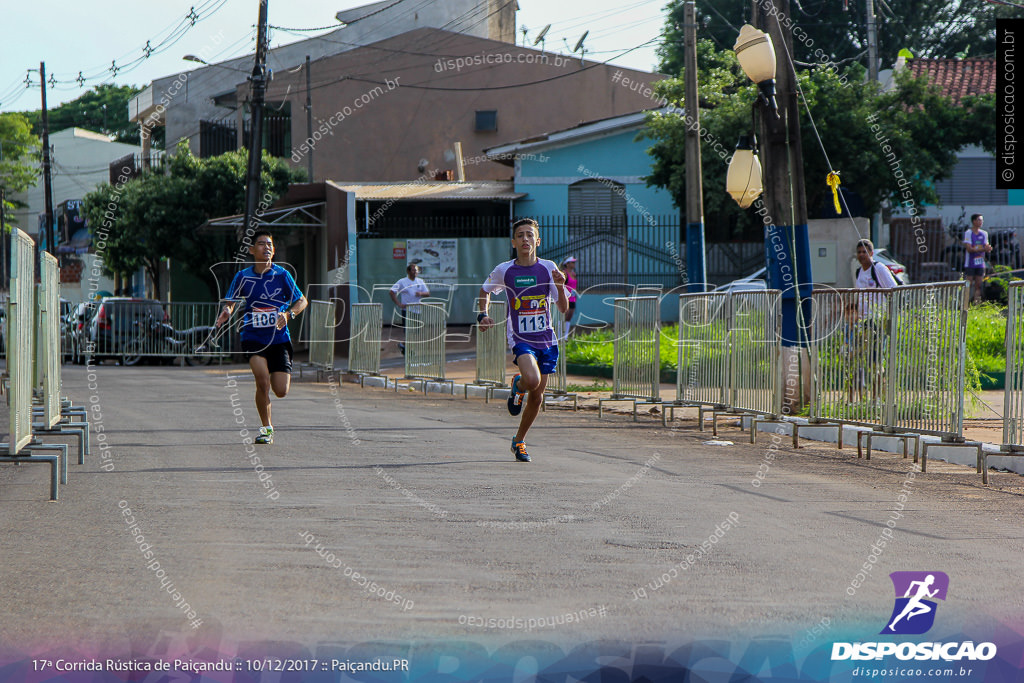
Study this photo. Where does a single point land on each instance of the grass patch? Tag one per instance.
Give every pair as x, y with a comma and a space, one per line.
986, 337
596, 385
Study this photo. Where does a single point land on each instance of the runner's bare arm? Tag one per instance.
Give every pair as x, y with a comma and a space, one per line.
482, 301
563, 300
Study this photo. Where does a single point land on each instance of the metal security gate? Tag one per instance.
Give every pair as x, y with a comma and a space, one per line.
364, 343
21, 339
48, 340
1013, 403
755, 343
926, 364
849, 355
703, 358
636, 367
557, 387
20, 343
491, 349
425, 332
321, 335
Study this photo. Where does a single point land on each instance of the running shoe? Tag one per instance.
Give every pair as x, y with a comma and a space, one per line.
519, 450
515, 398
266, 435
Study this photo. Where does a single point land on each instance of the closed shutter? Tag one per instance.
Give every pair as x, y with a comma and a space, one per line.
973, 182
596, 202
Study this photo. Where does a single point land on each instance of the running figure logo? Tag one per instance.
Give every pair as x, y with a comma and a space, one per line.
914, 611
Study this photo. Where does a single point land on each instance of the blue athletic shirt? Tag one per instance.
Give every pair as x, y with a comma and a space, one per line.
531, 293
264, 295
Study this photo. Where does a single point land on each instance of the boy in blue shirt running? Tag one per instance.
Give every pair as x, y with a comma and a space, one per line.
270, 300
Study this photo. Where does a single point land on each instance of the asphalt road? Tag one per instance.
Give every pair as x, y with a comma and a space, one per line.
421, 496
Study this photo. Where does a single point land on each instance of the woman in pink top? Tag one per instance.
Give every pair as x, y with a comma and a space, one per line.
569, 268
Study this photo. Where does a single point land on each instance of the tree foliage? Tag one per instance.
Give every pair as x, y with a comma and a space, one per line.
19, 155
928, 28
104, 109
156, 216
886, 145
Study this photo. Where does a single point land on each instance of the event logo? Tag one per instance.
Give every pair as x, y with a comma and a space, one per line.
916, 592
913, 614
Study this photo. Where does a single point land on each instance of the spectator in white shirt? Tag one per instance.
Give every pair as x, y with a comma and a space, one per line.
405, 293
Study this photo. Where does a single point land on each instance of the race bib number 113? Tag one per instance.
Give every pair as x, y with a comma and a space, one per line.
533, 322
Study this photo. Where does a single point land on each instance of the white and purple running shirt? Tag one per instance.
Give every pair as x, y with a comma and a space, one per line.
531, 293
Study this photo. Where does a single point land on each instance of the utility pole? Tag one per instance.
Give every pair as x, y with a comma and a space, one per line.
309, 124
47, 185
695, 266
872, 42
876, 220
3, 239
259, 92
787, 250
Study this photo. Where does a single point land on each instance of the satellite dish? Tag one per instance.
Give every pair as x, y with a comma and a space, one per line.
579, 43
543, 32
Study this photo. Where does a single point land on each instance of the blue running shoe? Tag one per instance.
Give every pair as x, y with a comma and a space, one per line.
515, 398
519, 449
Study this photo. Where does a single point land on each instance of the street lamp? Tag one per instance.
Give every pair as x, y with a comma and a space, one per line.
756, 55
743, 181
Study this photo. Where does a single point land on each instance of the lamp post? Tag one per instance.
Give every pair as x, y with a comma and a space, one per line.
787, 251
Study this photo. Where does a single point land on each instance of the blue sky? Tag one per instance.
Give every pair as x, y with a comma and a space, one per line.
88, 36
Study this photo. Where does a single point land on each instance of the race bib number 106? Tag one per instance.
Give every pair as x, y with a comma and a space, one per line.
264, 317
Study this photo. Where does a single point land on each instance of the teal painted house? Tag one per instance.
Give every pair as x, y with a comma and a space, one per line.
585, 186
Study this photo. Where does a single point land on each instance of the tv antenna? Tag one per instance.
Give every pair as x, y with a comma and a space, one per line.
540, 37
524, 31
579, 46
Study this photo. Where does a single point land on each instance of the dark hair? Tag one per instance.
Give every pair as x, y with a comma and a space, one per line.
867, 244
259, 233
526, 221
411, 266
975, 216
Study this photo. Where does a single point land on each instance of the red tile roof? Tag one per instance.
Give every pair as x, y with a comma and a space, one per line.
957, 77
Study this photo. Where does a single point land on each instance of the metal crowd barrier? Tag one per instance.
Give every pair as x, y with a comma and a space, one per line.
321, 335
636, 367
425, 330
20, 344
130, 330
849, 354
928, 331
755, 380
1013, 391
47, 380
365, 331
702, 377
892, 360
1013, 398
491, 351
51, 417
557, 387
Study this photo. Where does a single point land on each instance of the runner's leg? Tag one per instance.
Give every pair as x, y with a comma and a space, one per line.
533, 382
280, 382
258, 364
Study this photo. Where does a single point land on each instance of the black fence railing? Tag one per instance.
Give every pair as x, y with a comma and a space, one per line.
447, 227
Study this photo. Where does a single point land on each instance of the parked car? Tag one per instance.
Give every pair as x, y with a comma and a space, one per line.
756, 281
74, 325
883, 256
115, 323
